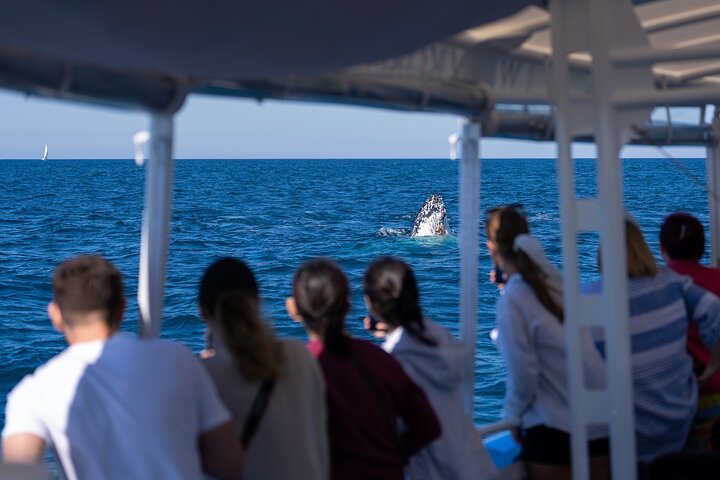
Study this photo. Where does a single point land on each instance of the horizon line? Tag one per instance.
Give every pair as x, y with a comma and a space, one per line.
340, 158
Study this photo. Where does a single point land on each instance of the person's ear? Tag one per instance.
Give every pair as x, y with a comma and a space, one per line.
292, 309
56, 316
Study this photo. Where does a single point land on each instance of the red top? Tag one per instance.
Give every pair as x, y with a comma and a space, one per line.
366, 393
709, 279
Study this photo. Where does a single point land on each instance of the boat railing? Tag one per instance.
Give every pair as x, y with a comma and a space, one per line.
501, 426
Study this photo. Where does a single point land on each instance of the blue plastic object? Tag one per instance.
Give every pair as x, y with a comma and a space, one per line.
503, 449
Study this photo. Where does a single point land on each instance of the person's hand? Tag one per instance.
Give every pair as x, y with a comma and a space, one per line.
381, 328
207, 353
708, 372
517, 436
712, 367
493, 279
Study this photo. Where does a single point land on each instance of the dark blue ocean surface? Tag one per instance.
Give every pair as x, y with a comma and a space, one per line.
275, 214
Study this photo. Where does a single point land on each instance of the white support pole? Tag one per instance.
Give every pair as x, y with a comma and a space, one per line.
572, 305
156, 225
612, 241
469, 213
713, 186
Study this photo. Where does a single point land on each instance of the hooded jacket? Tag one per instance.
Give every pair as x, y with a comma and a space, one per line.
459, 453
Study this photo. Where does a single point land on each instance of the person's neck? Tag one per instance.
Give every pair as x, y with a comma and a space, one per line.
509, 268
88, 332
313, 337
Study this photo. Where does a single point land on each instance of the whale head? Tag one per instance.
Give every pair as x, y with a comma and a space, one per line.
430, 220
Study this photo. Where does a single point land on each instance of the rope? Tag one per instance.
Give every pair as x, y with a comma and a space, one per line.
668, 156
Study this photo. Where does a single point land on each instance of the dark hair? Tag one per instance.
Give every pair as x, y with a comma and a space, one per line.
322, 295
510, 224
85, 284
390, 285
682, 237
229, 293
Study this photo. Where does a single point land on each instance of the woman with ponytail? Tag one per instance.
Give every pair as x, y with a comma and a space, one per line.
368, 392
532, 342
273, 388
436, 362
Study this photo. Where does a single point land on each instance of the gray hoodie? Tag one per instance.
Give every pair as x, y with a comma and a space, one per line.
459, 452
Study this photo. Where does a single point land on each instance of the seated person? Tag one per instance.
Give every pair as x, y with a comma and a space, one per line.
682, 244
368, 392
436, 362
113, 405
274, 388
662, 305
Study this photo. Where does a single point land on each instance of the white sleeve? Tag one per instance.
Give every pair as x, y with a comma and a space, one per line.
211, 411
518, 351
21, 415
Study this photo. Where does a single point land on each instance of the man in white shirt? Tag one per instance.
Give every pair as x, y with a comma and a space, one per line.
113, 405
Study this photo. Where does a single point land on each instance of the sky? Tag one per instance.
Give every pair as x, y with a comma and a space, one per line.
220, 127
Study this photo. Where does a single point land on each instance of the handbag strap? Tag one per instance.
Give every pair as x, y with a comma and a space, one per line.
262, 398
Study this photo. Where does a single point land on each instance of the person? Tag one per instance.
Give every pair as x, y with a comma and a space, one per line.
368, 392
662, 304
113, 405
251, 369
682, 244
531, 340
434, 360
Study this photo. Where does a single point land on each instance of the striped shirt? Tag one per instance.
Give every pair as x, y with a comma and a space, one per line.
665, 390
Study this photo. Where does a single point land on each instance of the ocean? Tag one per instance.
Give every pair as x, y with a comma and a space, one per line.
274, 214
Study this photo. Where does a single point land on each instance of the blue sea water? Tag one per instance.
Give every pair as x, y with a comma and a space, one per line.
274, 214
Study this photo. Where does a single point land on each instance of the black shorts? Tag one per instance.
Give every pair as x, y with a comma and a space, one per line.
551, 446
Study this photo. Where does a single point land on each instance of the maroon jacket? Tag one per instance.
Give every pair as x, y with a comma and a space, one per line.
367, 393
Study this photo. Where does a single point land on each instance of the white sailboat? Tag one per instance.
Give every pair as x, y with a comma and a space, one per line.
588, 81
44, 155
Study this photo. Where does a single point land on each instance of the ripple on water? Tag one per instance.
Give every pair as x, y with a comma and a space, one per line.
274, 215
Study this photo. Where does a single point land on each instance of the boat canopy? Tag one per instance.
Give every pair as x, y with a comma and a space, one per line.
464, 57
498, 64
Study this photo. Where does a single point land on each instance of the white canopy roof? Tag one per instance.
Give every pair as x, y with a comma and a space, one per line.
455, 56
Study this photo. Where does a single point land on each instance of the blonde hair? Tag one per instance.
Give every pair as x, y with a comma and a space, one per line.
251, 341
229, 293
640, 260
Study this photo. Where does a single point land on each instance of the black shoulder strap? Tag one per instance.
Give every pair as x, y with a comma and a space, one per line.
256, 412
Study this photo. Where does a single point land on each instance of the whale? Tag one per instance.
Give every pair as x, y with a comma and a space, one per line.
430, 219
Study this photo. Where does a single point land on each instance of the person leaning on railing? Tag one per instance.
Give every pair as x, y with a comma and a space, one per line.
436, 362
273, 388
682, 244
532, 343
114, 406
662, 306
368, 392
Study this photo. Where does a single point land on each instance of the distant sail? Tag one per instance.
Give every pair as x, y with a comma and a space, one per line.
44, 157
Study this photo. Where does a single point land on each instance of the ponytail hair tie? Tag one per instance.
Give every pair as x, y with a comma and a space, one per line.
531, 247
527, 244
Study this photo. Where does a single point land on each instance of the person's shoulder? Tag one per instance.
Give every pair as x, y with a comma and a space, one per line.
440, 334
516, 288
369, 351
296, 352
56, 365
165, 351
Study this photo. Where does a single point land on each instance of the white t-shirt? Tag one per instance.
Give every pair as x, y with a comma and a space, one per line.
122, 408
291, 439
